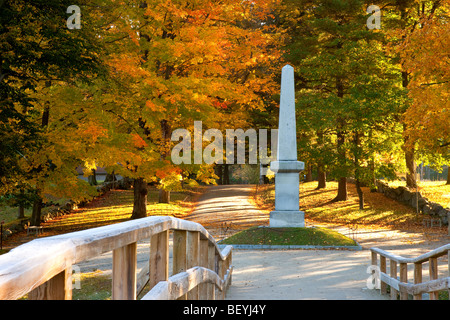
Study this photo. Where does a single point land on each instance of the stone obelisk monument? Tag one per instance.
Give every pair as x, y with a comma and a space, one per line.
287, 168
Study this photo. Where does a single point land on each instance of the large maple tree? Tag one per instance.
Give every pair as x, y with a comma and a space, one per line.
425, 55
178, 62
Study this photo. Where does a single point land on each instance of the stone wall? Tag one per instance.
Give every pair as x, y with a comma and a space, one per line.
409, 197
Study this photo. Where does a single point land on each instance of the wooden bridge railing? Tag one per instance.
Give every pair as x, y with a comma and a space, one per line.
397, 278
43, 267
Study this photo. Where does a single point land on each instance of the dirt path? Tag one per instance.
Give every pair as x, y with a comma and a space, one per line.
301, 274
224, 210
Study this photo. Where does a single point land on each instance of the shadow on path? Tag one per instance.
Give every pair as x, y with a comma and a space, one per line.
225, 210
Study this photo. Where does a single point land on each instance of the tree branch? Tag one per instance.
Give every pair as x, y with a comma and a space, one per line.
434, 83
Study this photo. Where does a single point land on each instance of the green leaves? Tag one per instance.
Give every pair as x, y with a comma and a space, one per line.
347, 87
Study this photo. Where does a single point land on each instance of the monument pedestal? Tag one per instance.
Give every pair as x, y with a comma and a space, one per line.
287, 219
286, 213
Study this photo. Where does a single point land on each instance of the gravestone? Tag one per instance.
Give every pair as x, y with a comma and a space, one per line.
286, 167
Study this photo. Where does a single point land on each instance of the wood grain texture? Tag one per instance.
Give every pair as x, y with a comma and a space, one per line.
36, 262
432, 286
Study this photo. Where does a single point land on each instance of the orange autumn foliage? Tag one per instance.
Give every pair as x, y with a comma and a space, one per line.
426, 57
176, 62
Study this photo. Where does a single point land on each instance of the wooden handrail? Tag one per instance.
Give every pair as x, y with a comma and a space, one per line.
180, 284
420, 259
401, 285
43, 267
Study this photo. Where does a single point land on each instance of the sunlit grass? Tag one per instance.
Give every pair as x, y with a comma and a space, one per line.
318, 206
92, 286
116, 206
289, 236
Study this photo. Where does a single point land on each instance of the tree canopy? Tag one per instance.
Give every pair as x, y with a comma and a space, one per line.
110, 94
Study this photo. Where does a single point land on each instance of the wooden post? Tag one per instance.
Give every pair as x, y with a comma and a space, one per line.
211, 266
57, 288
179, 254
417, 278
374, 263
204, 262
159, 258
124, 273
433, 267
221, 273
383, 286
393, 274
374, 260
193, 259
448, 221
229, 263
404, 279
448, 255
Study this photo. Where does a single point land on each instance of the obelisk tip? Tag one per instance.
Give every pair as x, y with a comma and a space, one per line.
287, 67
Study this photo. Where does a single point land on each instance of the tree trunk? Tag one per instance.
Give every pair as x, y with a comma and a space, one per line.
111, 177
309, 177
321, 173
21, 213
45, 115
373, 184
92, 179
342, 194
342, 185
226, 174
448, 175
37, 204
219, 173
164, 196
360, 194
140, 199
357, 170
409, 151
411, 169
36, 214
321, 177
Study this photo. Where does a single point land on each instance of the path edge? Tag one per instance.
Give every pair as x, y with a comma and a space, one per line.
358, 247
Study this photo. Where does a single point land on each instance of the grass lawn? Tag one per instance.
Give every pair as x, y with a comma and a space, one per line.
289, 236
113, 207
116, 206
93, 286
378, 209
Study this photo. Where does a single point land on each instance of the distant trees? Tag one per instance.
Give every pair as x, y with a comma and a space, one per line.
367, 99
348, 94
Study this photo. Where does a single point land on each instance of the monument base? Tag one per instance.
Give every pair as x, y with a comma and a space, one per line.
287, 219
